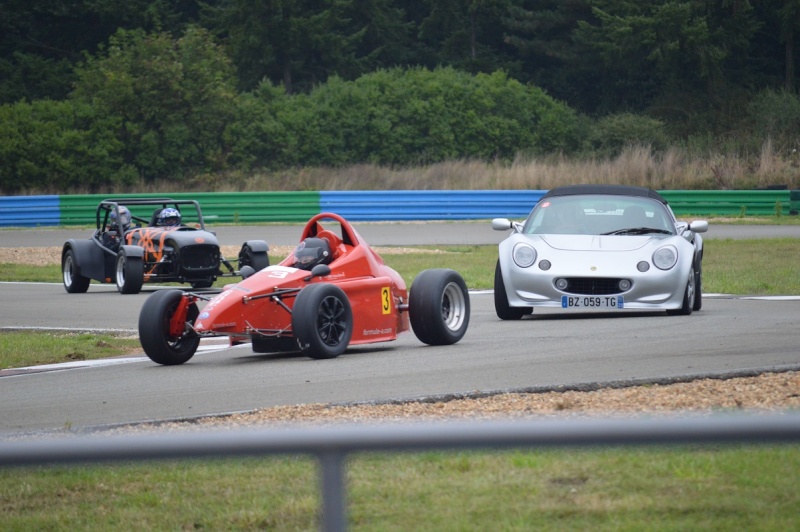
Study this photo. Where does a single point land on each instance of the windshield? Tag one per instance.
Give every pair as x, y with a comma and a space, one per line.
598, 214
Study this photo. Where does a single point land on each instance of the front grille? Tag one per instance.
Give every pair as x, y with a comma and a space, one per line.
202, 257
593, 286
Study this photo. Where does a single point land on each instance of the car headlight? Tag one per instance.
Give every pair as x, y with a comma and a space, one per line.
665, 258
524, 255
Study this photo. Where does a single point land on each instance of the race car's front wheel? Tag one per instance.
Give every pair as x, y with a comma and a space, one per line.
74, 282
438, 307
322, 320
129, 274
159, 343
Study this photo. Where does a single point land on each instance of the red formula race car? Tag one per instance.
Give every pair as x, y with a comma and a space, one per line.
334, 290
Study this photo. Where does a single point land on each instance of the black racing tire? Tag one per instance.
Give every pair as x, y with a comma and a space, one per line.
503, 310
74, 282
128, 274
688, 298
207, 283
322, 320
258, 260
698, 286
154, 334
439, 307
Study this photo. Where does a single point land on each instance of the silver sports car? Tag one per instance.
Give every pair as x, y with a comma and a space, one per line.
599, 247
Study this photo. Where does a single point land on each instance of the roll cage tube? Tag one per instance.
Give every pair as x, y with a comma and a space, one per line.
112, 203
349, 236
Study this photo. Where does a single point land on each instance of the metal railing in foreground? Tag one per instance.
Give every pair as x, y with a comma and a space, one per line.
332, 445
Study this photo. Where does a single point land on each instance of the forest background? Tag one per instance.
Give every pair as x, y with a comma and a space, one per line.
107, 96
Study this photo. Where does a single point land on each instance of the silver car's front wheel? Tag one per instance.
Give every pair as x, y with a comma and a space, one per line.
688, 297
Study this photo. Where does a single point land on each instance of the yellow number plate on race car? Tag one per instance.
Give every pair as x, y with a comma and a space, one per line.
592, 302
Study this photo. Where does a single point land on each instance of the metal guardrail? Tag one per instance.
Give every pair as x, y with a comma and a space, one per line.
393, 205
332, 445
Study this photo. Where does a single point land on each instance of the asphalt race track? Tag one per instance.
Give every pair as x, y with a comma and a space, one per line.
548, 349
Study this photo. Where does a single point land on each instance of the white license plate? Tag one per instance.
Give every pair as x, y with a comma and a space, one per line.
590, 302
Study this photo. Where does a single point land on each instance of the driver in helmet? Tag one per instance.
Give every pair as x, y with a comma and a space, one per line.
124, 222
312, 251
116, 227
169, 217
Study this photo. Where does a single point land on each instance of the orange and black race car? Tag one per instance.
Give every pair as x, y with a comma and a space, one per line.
333, 291
160, 240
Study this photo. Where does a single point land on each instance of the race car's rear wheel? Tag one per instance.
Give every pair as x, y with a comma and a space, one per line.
322, 320
503, 310
698, 286
154, 329
438, 307
129, 274
258, 260
74, 282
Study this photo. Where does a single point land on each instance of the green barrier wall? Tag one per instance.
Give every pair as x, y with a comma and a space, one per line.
729, 202
217, 207
794, 201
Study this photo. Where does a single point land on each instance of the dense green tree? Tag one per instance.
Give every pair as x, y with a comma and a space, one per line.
385, 36
649, 49
411, 116
57, 146
542, 33
789, 24
40, 41
174, 99
467, 35
297, 43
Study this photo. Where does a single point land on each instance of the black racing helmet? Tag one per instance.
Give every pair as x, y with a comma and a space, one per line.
312, 251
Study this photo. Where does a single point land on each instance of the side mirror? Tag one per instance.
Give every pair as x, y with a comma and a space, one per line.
320, 270
247, 271
698, 226
501, 224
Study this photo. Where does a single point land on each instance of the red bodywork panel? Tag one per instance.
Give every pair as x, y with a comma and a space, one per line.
260, 305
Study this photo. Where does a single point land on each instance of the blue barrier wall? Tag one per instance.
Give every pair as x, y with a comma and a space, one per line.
430, 204
29, 211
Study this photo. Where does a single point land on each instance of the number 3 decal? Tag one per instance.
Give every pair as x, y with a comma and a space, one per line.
386, 300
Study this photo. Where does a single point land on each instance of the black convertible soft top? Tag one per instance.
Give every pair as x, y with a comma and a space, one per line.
617, 190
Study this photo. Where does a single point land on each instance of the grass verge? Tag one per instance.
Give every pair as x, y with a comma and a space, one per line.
681, 488
745, 267
31, 348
